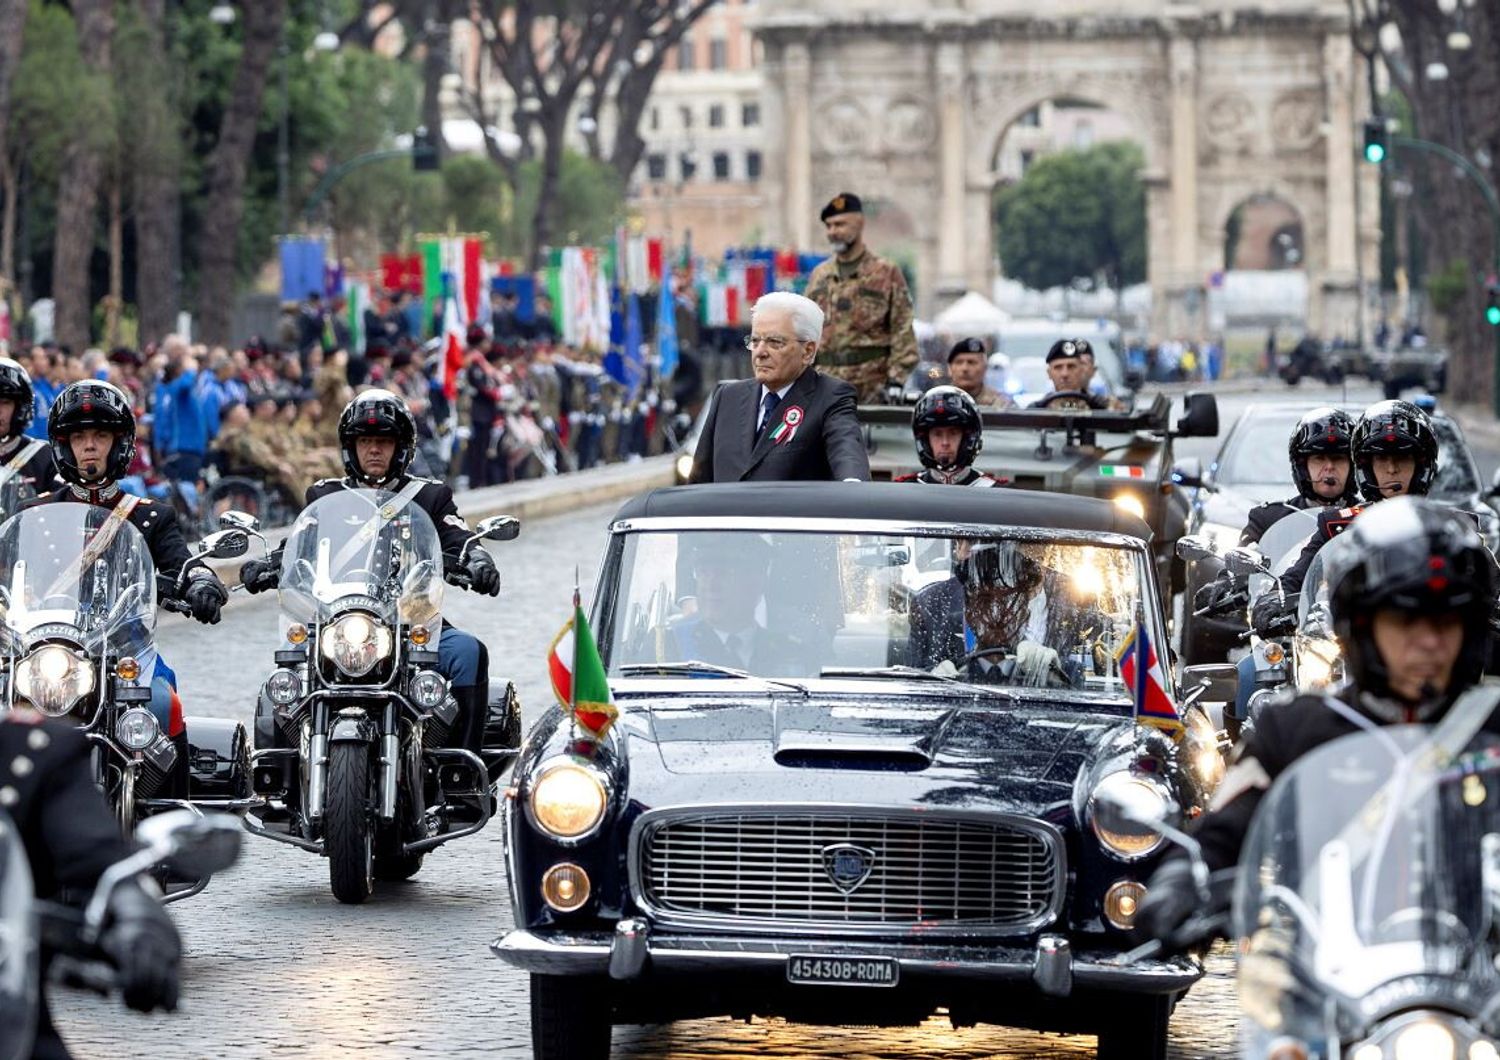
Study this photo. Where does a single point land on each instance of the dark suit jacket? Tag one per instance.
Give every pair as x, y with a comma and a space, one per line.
827, 446
771, 655
937, 623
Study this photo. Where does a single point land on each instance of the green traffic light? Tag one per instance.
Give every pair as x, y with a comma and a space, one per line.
1375, 153
1492, 315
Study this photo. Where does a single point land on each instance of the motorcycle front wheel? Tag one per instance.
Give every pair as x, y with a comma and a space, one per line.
348, 838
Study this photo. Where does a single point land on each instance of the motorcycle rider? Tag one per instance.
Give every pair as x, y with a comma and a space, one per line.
1394, 451
28, 457
71, 837
1410, 592
949, 434
92, 431
1319, 453
377, 440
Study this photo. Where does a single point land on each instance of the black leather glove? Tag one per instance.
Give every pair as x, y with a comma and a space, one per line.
1215, 591
1272, 617
483, 575
1171, 900
259, 575
207, 597
144, 948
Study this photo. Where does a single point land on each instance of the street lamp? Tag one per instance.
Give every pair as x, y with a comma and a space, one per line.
221, 14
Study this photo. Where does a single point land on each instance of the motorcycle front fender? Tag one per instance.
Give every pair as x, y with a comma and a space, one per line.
352, 725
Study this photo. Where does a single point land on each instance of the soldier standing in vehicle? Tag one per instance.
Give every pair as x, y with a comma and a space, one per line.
868, 339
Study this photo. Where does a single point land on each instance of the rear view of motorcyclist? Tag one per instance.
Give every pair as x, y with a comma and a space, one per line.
378, 439
949, 434
71, 837
1410, 592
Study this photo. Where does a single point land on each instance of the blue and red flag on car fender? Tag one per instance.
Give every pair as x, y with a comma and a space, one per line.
1140, 669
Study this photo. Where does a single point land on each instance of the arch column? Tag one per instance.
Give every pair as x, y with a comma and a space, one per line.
797, 74
952, 230
1179, 308
1338, 286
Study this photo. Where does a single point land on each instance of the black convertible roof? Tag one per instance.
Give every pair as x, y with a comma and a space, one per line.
897, 501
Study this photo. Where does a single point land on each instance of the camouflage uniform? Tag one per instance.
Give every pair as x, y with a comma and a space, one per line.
868, 339
990, 398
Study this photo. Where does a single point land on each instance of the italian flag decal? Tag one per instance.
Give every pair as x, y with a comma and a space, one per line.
577, 675
1121, 471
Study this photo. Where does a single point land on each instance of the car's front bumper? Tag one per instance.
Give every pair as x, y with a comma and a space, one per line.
633, 951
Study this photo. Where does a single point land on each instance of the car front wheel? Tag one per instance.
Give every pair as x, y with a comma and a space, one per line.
569, 1018
1137, 1031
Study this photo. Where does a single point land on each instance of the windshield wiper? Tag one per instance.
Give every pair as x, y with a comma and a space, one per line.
697, 666
914, 672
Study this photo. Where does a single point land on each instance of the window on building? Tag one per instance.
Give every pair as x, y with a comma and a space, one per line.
656, 167
1026, 158
752, 165
685, 54
687, 165
750, 115
718, 53
716, 116
721, 165
686, 114
655, 118
1032, 119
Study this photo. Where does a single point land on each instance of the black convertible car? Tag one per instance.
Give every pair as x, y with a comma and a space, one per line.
864, 733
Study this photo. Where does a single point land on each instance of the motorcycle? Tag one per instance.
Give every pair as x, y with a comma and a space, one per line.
64, 940
1366, 903
77, 641
352, 758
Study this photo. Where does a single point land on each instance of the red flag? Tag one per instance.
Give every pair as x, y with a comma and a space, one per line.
655, 256
732, 304
755, 283
453, 348
473, 278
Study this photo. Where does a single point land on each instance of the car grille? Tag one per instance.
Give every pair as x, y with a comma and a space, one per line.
773, 868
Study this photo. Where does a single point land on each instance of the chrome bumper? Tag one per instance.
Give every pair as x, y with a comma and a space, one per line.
1051, 966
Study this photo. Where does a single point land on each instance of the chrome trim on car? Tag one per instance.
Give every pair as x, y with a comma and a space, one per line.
800, 524
652, 822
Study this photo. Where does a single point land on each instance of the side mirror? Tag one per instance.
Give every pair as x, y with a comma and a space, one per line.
232, 520
1220, 681
193, 845
1189, 472
1245, 561
1195, 547
1200, 417
499, 528
226, 544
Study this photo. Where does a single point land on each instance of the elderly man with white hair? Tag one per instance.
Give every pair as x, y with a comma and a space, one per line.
790, 421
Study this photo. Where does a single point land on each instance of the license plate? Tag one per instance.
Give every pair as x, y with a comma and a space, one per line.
843, 971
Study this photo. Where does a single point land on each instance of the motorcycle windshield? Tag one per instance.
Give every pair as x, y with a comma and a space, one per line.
14, 492
1369, 876
369, 549
18, 953
74, 571
1281, 545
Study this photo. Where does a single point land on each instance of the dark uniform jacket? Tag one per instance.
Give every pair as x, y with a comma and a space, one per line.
825, 443
1284, 732
970, 477
1264, 516
434, 498
39, 471
157, 523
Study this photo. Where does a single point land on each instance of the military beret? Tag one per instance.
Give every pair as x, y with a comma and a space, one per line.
1063, 349
966, 346
843, 202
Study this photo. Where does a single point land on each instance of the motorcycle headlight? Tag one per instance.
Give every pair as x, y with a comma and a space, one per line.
284, 687
137, 729
428, 689
1425, 1035
355, 643
1137, 799
52, 679
568, 800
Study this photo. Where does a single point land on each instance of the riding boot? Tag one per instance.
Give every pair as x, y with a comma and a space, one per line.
468, 727
176, 786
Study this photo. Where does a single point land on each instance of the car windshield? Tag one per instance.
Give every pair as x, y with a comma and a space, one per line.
997, 609
1263, 431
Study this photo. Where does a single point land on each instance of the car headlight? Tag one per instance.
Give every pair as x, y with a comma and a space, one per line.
52, 679
1129, 502
684, 466
355, 643
137, 729
1222, 536
1117, 804
428, 689
568, 800
284, 687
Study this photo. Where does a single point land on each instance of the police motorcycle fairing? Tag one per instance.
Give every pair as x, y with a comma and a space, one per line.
78, 600
62, 942
364, 773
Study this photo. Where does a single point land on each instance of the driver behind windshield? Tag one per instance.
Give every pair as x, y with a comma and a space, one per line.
728, 628
92, 431
992, 621
1070, 368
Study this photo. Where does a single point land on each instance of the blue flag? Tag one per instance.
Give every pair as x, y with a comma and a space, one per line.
666, 332
302, 268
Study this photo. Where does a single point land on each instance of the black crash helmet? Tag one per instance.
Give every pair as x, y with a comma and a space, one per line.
92, 403
1394, 427
1322, 430
947, 406
377, 413
1416, 556
15, 385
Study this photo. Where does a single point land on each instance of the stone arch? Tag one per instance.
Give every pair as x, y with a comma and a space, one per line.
1227, 196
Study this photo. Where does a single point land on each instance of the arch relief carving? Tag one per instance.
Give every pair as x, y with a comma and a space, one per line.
909, 125
843, 126
1297, 121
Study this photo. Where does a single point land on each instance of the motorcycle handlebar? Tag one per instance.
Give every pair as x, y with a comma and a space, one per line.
171, 603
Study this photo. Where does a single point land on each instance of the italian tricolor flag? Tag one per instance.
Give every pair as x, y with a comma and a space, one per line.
577, 675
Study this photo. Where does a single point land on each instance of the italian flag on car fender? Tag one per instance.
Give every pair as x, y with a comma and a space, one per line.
1140, 669
577, 675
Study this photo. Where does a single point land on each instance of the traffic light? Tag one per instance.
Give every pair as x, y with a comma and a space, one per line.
1376, 142
1492, 307
424, 155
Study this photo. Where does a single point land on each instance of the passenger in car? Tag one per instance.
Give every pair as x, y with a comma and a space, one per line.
727, 627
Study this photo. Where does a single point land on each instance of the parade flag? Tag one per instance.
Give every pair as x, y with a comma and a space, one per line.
1140, 669
359, 301
577, 675
401, 272
302, 268
471, 260
453, 348
432, 281
667, 351
656, 254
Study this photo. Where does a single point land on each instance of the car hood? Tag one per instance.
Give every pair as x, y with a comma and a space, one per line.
787, 747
